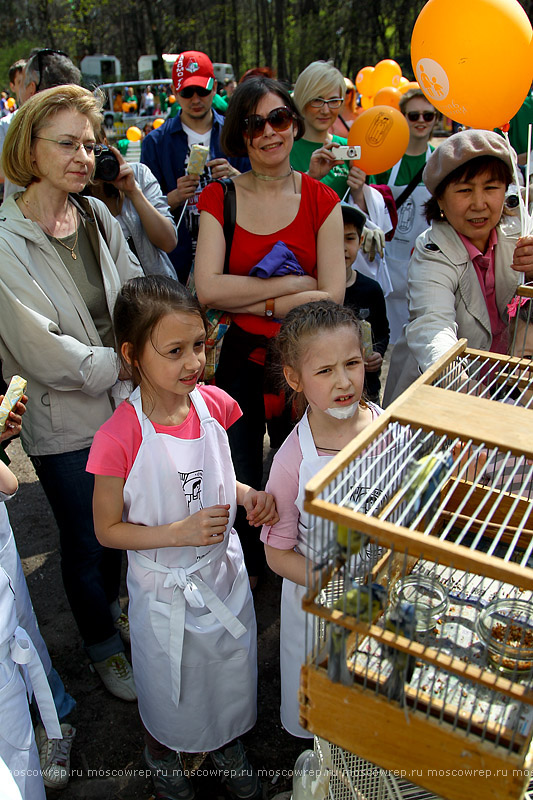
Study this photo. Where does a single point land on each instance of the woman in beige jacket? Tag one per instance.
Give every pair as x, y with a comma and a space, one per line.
64, 259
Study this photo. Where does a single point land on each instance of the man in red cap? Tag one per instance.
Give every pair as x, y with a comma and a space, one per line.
166, 150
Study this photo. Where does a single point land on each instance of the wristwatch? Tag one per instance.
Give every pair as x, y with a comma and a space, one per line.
269, 308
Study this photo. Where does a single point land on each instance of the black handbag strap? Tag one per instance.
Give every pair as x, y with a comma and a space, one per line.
230, 216
415, 180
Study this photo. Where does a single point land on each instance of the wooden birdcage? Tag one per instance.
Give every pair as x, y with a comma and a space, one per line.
435, 493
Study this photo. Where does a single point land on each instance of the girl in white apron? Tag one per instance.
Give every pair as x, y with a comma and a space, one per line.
319, 345
165, 490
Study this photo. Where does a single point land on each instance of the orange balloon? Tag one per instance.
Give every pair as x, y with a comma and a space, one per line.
158, 122
386, 73
382, 133
171, 99
134, 134
388, 97
403, 82
364, 81
366, 102
475, 85
406, 87
10, 102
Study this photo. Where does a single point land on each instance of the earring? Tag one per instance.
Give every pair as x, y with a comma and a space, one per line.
442, 215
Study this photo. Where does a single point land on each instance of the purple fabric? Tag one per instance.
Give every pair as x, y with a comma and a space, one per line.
280, 261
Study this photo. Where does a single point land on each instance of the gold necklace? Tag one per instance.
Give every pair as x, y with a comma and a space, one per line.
71, 249
260, 176
47, 229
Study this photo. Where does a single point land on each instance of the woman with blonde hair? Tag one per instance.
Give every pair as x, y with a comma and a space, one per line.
64, 259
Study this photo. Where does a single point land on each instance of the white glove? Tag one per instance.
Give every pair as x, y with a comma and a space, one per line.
373, 241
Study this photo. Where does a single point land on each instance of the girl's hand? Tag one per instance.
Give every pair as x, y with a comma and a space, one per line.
204, 527
356, 178
523, 256
260, 508
374, 362
14, 421
125, 179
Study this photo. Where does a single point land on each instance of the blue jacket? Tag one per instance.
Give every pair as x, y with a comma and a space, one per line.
165, 151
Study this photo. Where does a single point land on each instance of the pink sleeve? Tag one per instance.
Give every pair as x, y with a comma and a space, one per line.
221, 406
116, 444
212, 200
283, 484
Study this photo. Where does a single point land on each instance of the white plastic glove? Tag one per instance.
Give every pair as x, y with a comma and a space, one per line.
373, 241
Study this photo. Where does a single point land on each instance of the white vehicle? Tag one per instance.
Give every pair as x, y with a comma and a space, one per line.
99, 68
118, 122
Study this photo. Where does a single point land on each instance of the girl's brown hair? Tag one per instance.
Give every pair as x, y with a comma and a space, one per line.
300, 324
141, 304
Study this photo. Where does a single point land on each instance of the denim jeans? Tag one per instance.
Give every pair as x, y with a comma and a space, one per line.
91, 573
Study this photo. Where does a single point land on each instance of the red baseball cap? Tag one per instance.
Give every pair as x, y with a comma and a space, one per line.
193, 68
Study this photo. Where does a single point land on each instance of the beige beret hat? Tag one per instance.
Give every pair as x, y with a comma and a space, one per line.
463, 147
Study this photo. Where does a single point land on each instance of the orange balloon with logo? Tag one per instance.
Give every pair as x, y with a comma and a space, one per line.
134, 134
406, 87
386, 73
388, 97
158, 122
382, 133
364, 81
473, 59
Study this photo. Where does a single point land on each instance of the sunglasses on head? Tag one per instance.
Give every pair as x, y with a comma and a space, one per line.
279, 120
189, 91
41, 56
427, 116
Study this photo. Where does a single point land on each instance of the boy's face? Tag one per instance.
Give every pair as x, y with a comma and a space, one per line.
352, 241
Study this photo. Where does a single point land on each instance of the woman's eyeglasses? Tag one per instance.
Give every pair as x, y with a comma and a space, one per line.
333, 102
279, 120
69, 146
189, 91
427, 116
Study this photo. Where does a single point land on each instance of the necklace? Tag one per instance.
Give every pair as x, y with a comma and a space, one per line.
71, 249
47, 229
260, 176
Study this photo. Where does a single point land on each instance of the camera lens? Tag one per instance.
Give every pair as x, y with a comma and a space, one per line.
107, 166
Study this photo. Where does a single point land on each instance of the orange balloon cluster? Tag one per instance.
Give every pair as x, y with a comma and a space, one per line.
382, 85
477, 85
382, 133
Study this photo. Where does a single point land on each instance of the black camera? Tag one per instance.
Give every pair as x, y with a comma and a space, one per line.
107, 166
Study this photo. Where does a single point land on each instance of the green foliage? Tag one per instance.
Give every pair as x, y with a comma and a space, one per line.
9, 53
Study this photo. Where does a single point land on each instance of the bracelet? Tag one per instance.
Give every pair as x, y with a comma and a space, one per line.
269, 308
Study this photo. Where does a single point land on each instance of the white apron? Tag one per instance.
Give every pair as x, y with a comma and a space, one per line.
21, 674
293, 618
411, 223
192, 620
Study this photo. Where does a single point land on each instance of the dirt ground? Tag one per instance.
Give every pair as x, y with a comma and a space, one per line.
106, 754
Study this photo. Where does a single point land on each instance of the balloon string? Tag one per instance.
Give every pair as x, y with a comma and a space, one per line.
528, 163
524, 214
346, 195
186, 203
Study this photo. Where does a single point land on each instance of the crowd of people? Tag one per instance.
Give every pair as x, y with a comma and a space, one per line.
114, 281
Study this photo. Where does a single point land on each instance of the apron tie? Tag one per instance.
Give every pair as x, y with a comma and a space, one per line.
189, 588
24, 654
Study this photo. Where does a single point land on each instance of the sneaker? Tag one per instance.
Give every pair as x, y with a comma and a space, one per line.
236, 772
117, 676
167, 777
122, 624
54, 755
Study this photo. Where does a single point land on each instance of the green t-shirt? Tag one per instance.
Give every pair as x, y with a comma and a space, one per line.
409, 166
220, 104
301, 153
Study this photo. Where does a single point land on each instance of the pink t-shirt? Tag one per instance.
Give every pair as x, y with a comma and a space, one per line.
484, 267
116, 444
283, 483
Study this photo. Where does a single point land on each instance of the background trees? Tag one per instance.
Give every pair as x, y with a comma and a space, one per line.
284, 34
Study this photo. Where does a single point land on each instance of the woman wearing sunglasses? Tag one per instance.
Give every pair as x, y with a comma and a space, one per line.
64, 259
276, 206
405, 180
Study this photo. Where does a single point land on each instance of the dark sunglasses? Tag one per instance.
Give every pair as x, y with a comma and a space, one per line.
279, 120
189, 91
41, 56
427, 116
